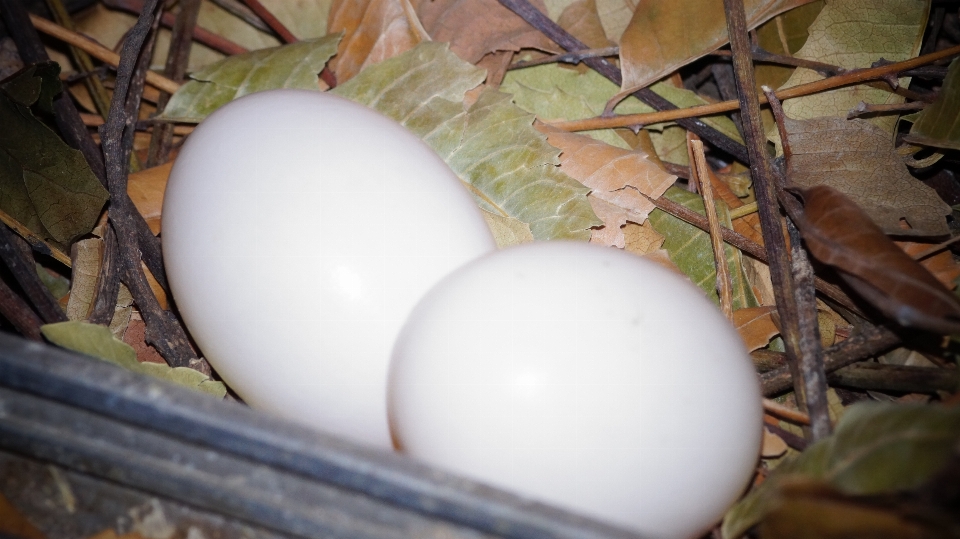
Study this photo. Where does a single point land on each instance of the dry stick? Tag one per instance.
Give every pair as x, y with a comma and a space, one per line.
72, 128
716, 239
271, 21
178, 56
36, 242
18, 313
868, 341
237, 9
774, 408
552, 30
101, 100
898, 378
200, 34
864, 108
847, 79
567, 58
97, 50
24, 270
162, 329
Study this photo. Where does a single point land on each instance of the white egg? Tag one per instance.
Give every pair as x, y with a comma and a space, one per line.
299, 230
584, 377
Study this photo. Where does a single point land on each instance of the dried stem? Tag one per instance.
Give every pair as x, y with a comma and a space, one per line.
18, 313
774, 408
567, 58
716, 238
850, 78
24, 270
101, 99
552, 30
163, 330
896, 378
868, 341
285, 35
178, 56
200, 34
864, 108
36, 242
236, 8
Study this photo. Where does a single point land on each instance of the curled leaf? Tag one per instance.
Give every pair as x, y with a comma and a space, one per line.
838, 233
296, 65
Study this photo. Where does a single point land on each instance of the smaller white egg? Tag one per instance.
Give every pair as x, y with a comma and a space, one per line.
299, 230
585, 377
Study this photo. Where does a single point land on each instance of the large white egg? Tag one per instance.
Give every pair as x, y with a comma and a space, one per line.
299, 230
584, 377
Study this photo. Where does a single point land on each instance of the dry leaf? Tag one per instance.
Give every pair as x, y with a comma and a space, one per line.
477, 27
614, 174
773, 445
581, 20
755, 325
641, 239
938, 125
942, 265
858, 159
506, 230
662, 36
374, 30
838, 233
86, 269
146, 190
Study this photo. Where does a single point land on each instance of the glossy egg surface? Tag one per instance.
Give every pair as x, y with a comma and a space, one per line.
584, 377
299, 229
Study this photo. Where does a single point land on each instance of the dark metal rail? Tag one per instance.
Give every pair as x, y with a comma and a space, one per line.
91, 417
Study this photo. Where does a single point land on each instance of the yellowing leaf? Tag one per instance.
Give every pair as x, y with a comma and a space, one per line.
854, 34
44, 184
662, 36
857, 158
691, 250
877, 448
939, 124
296, 65
491, 145
97, 341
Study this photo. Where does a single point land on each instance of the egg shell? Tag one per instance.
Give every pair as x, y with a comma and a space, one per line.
584, 377
299, 229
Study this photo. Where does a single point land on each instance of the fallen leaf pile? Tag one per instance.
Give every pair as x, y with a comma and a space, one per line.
482, 87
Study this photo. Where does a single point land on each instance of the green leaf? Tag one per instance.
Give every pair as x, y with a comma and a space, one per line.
296, 65
491, 145
554, 92
854, 34
44, 184
939, 124
97, 341
690, 249
877, 448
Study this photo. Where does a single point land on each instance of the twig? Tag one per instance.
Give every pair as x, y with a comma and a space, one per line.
108, 280
552, 30
178, 56
852, 77
896, 378
36, 242
18, 313
237, 9
774, 408
285, 35
25, 272
200, 34
742, 211
96, 50
863, 108
99, 95
716, 238
868, 341
567, 58
162, 330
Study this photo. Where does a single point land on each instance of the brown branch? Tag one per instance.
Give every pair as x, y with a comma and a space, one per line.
285, 35
896, 378
867, 341
163, 331
36, 242
553, 31
99, 95
200, 35
567, 58
24, 270
18, 313
237, 9
850, 78
713, 222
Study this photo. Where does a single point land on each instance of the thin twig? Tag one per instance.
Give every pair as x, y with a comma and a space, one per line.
285, 35
24, 270
866, 342
237, 9
99, 95
163, 331
200, 34
864, 108
716, 238
36, 242
558, 35
567, 58
896, 378
774, 408
850, 78
96, 50
18, 313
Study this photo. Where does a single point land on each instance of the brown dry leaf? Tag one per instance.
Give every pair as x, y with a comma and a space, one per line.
641, 239
617, 177
838, 233
582, 21
374, 30
506, 230
858, 159
755, 325
773, 445
146, 190
662, 36
14, 524
942, 265
86, 268
477, 27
